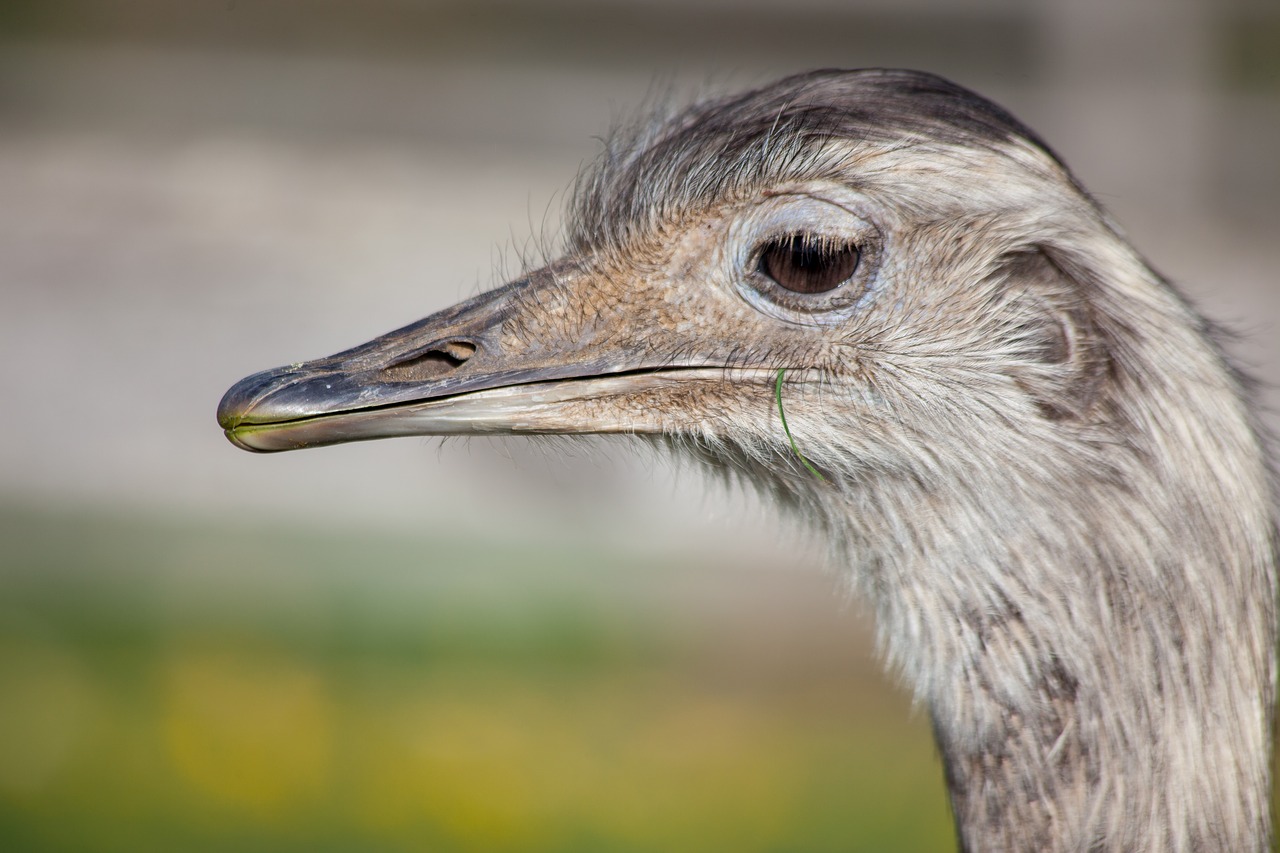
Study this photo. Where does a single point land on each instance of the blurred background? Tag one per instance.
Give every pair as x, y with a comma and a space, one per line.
470, 646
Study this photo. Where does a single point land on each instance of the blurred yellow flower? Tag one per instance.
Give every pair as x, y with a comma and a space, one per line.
256, 734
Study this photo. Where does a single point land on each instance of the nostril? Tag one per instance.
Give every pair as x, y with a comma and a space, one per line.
460, 351
432, 363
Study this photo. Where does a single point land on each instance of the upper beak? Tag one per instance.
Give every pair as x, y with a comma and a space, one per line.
535, 356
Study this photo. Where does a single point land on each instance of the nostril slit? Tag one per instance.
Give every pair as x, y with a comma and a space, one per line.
433, 363
460, 351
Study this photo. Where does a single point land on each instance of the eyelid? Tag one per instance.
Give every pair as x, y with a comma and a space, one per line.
820, 264
783, 216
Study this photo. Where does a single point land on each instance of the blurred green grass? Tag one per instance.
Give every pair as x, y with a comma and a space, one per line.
217, 685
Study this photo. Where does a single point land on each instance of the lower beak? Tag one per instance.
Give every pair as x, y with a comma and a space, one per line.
626, 403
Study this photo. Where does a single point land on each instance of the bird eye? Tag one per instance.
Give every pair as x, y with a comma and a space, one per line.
808, 263
804, 258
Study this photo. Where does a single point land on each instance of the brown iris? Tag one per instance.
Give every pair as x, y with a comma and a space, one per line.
808, 263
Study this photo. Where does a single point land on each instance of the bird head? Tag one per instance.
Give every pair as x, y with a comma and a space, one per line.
889, 261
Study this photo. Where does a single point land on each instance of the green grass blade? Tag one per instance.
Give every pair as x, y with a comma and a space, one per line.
777, 392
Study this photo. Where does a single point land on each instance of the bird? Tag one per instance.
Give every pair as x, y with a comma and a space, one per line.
889, 305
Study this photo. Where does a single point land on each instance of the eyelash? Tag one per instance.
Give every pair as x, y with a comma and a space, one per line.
807, 263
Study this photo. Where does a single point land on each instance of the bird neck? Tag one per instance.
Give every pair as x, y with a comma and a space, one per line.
1092, 703
1071, 770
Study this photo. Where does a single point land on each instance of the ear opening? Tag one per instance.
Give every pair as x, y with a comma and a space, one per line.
1061, 356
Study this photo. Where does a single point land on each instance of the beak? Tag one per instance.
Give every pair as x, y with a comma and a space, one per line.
547, 353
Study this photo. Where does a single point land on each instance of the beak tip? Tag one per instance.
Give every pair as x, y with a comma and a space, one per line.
238, 400
243, 398
229, 416
230, 433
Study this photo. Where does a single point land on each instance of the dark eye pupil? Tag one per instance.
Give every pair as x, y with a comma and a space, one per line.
806, 263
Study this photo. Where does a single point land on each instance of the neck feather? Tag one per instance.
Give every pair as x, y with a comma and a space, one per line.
1128, 710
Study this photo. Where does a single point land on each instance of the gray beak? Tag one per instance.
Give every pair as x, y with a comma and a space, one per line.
480, 367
